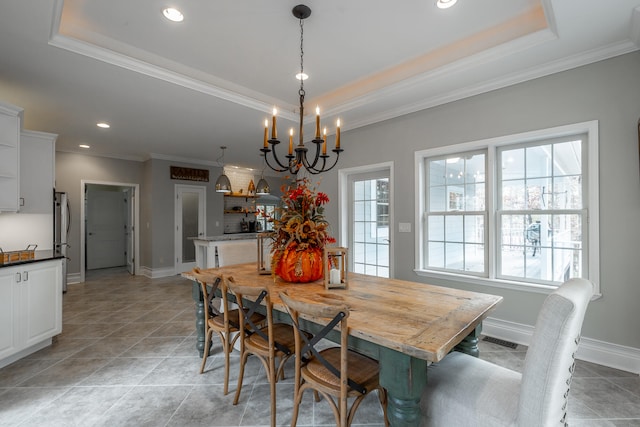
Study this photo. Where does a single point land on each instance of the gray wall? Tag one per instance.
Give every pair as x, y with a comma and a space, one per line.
71, 169
155, 198
162, 208
608, 91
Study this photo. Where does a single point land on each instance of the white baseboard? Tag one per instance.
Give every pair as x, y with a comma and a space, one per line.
155, 273
590, 350
73, 278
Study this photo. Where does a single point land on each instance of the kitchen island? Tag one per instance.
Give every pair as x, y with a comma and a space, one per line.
207, 248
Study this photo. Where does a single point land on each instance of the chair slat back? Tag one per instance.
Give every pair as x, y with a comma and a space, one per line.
329, 315
209, 279
248, 299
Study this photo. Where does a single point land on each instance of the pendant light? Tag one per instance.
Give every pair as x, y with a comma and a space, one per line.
262, 189
223, 185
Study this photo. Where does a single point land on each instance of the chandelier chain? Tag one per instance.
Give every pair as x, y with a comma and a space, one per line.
301, 92
301, 57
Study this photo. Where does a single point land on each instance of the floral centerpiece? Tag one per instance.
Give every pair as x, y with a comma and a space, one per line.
300, 233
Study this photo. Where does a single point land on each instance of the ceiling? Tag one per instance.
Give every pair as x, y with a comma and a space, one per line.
181, 90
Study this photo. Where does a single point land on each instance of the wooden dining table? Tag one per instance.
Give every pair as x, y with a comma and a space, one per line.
403, 325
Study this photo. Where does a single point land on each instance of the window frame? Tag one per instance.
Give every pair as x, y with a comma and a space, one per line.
590, 172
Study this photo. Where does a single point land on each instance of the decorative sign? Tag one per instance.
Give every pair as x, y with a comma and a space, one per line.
189, 174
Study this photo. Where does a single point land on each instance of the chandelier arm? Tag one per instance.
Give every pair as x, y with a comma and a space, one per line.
281, 167
313, 164
335, 162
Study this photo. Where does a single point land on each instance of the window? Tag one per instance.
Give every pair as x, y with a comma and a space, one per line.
266, 210
515, 211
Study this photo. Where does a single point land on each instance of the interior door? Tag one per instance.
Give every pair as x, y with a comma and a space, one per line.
106, 226
129, 206
190, 222
369, 223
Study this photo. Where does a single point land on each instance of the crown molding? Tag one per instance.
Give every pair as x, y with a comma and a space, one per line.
130, 158
157, 156
543, 70
151, 70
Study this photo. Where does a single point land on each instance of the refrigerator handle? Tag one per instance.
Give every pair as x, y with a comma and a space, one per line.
68, 216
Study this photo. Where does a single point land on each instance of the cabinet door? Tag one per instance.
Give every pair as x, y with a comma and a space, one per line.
8, 303
10, 119
36, 172
42, 291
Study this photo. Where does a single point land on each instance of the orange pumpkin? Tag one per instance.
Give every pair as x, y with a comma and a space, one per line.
300, 266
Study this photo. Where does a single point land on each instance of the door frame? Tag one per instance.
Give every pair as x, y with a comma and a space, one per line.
136, 221
177, 214
344, 176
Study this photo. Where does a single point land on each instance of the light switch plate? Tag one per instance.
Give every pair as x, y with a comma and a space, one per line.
404, 227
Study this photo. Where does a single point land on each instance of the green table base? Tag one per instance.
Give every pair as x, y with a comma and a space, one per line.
196, 294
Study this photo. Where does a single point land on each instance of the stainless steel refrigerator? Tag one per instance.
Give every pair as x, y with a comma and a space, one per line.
61, 223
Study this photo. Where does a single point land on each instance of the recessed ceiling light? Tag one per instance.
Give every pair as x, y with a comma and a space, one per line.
302, 76
103, 125
84, 146
173, 14
445, 4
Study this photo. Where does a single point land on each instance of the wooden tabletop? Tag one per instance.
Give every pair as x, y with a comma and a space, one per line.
417, 319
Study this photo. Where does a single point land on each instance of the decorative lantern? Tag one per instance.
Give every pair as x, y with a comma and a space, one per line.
335, 268
264, 252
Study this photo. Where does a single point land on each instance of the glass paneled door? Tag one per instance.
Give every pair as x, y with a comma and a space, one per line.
190, 223
369, 221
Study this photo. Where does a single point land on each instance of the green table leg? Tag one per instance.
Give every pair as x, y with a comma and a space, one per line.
403, 377
469, 345
196, 294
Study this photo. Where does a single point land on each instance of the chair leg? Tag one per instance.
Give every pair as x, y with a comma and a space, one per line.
227, 350
296, 407
240, 377
273, 378
207, 345
382, 395
272, 382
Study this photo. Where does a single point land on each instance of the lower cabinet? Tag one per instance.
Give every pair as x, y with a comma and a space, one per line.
30, 307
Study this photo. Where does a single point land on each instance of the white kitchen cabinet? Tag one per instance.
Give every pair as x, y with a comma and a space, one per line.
10, 125
37, 171
30, 308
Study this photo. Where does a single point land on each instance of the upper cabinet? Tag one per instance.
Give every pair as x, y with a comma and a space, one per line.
37, 171
10, 126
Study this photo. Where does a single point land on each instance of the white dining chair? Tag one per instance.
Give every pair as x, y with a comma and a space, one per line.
463, 390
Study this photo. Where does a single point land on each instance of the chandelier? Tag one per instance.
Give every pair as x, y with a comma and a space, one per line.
298, 157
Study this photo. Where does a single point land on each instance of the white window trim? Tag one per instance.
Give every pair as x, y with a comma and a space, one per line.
592, 170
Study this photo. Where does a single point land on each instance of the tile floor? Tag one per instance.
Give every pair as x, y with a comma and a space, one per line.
126, 357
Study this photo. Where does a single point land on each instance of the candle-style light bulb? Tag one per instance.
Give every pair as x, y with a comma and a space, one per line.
317, 122
324, 143
266, 132
273, 124
338, 134
291, 141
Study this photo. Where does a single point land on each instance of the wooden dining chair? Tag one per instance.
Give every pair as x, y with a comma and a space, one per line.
270, 343
334, 372
463, 390
224, 322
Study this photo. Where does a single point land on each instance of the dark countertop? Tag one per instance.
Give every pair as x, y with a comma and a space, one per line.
44, 255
